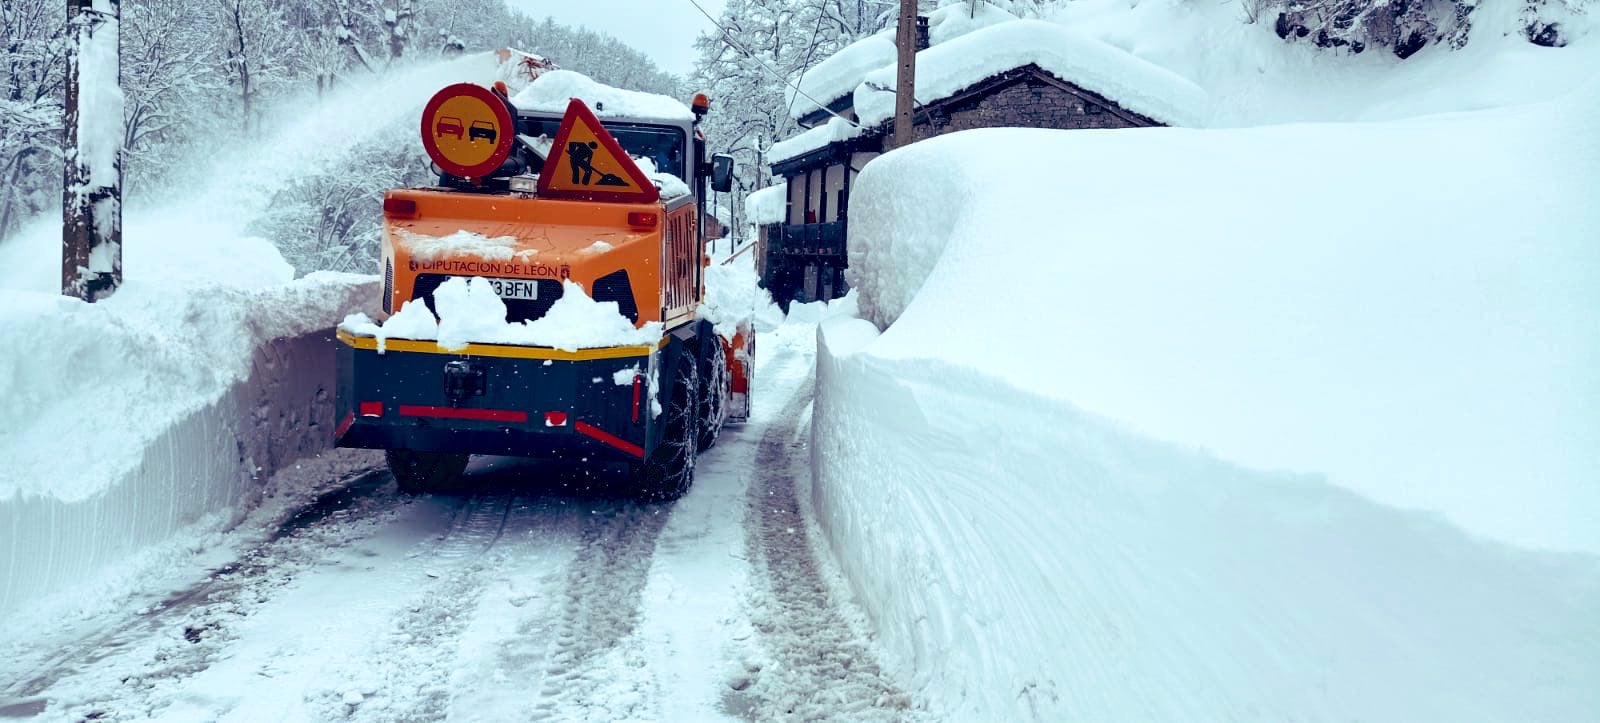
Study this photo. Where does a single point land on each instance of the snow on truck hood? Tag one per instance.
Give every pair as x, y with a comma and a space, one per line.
471, 312
551, 92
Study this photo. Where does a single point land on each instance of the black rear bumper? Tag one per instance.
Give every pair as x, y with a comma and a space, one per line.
523, 401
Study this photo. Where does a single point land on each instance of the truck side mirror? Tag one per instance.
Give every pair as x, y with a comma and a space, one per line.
722, 173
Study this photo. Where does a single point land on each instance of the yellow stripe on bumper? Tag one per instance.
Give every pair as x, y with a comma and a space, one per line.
498, 350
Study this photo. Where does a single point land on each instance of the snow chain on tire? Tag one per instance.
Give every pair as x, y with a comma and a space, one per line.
669, 470
713, 395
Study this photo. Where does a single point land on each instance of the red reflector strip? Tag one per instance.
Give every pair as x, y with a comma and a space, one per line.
589, 430
349, 420
643, 219
637, 383
479, 415
400, 207
372, 409
555, 419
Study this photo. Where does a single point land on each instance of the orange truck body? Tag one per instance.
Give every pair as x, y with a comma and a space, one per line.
431, 407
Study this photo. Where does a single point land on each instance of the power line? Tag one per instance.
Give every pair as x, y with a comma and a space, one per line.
728, 36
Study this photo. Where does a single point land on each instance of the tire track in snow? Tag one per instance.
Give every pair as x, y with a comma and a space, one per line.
818, 667
407, 676
589, 674
186, 631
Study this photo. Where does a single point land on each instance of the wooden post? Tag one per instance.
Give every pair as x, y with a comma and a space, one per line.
91, 233
905, 85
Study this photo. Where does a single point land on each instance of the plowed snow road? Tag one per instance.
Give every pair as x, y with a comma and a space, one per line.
531, 596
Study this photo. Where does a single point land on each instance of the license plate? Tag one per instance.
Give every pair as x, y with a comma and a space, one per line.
523, 289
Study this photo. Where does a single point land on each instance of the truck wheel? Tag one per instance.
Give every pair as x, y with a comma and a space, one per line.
418, 472
669, 470
713, 396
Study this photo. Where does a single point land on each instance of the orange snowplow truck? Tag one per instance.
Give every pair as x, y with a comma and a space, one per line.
550, 199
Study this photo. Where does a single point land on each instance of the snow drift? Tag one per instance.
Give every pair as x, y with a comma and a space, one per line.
166, 406
1424, 337
1046, 479
1025, 560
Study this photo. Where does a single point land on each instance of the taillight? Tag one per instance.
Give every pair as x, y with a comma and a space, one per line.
643, 219
399, 208
372, 409
555, 419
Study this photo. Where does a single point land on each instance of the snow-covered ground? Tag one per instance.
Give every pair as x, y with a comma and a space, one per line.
534, 595
1294, 422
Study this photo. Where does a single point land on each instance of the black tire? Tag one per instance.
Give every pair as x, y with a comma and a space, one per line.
669, 470
419, 472
715, 387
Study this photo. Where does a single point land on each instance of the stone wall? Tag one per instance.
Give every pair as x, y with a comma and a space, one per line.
1027, 102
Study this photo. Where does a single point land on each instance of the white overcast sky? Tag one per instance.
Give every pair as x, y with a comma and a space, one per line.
662, 29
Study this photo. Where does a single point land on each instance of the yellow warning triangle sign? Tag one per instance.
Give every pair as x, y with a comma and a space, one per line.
587, 163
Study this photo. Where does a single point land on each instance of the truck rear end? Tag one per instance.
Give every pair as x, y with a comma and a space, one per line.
560, 376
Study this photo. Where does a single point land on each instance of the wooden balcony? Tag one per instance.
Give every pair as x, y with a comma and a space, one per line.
809, 242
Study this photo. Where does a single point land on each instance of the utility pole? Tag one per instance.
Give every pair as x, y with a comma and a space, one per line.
91, 233
905, 39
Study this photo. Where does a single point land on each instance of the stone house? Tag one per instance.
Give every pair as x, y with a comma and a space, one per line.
978, 68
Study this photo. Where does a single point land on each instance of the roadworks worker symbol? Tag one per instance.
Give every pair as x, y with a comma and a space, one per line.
467, 130
586, 163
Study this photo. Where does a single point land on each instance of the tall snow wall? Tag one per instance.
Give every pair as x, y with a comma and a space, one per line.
168, 405
1023, 560
1047, 479
138, 417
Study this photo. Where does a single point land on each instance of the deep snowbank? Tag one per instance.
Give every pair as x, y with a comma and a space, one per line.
1423, 335
151, 412
164, 407
1045, 478
1025, 560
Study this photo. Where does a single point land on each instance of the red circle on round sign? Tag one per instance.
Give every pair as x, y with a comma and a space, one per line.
468, 130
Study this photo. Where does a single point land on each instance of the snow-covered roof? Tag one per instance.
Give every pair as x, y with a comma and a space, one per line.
767, 205
834, 130
551, 92
1131, 82
838, 74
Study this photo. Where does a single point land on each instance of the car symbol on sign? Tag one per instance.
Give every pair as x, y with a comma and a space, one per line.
482, 129
448, 125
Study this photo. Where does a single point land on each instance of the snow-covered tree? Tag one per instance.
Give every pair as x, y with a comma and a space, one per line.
31, 76
760, 48
257, 54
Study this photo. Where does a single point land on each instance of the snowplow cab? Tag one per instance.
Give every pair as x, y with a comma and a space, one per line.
583, 239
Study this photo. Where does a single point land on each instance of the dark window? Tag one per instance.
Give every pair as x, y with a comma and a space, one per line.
661, 144
615, 287
388, 287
